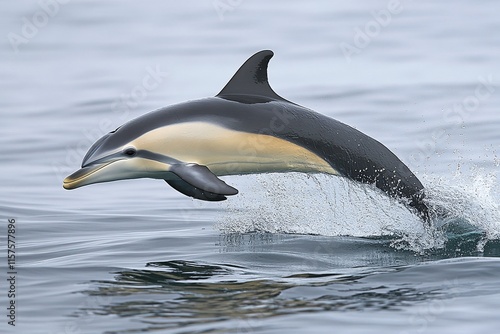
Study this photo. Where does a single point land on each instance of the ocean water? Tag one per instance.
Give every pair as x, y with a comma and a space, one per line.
292, 252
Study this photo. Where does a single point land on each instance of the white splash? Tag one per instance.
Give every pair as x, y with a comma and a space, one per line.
470, 198
335, 206
324, 205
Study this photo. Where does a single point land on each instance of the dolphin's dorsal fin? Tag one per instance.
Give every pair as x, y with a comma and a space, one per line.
251, 78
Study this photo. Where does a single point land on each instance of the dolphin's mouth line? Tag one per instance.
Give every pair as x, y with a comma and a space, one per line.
92, 170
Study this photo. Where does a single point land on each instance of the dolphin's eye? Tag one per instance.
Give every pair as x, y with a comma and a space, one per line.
130, 152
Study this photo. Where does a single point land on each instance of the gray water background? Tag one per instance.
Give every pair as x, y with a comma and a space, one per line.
290, 253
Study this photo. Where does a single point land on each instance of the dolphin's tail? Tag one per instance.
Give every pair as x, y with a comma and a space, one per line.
417, 202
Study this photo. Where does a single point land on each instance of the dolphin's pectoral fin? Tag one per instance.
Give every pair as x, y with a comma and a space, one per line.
201, 178
199, 182
188, 190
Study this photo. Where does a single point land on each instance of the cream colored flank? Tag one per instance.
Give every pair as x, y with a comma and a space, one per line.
228, 152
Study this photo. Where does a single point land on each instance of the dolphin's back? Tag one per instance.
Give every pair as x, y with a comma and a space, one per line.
356, 155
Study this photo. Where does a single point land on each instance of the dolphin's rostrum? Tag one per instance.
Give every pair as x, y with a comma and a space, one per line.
247, 128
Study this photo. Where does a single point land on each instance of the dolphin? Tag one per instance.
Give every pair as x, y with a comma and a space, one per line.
245, 129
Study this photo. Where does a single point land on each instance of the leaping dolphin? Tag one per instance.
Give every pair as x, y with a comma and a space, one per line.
247, 128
